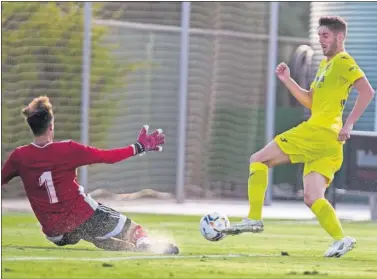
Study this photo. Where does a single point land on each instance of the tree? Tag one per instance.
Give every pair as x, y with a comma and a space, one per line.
42, 55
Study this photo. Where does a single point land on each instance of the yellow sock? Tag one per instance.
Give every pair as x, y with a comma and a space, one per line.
327, 218
257, 185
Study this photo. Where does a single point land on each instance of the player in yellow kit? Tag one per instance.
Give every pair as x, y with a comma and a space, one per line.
318, 142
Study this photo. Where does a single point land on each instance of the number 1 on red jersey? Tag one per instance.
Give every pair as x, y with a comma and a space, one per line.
46, 179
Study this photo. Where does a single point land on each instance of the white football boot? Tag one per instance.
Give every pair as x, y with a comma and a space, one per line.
341, 247
247, 225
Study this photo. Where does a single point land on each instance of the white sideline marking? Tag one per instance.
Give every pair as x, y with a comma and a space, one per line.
149, 257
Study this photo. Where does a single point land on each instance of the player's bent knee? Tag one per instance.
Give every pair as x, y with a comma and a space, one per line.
259, 157
255, 158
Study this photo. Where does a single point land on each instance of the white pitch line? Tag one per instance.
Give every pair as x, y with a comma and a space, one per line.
149, 257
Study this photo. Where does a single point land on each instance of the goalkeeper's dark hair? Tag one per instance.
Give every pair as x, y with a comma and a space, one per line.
38, 114
335, 23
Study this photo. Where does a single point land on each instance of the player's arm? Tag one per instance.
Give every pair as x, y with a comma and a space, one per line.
365, 95
87, 155
356, 78
10, 169
303, 96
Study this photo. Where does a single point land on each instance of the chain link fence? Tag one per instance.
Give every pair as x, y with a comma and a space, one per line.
134, 80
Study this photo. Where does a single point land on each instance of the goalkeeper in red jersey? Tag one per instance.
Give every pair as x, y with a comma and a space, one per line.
67, 215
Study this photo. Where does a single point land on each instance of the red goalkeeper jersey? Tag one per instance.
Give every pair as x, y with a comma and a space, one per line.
49, 177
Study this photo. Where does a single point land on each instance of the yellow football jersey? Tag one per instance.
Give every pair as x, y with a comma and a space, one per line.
331, 87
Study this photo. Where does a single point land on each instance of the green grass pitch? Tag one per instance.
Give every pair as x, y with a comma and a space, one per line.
26, 254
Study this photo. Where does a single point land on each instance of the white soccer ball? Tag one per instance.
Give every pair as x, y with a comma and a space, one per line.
211, 225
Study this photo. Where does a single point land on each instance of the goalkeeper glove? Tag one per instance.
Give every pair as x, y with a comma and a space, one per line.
149, 142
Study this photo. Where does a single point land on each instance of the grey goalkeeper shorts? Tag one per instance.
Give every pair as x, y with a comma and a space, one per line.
104, 224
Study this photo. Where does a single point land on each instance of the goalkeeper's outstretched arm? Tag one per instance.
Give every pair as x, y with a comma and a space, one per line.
87, 155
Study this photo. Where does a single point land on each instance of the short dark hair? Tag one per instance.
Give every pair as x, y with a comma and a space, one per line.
38, 114
334, 23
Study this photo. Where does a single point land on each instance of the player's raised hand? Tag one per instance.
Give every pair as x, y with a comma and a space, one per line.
149, 142
282, 71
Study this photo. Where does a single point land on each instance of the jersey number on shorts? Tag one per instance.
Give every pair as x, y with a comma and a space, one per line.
46, 179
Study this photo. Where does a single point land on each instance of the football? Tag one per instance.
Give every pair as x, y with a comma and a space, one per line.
211, 225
